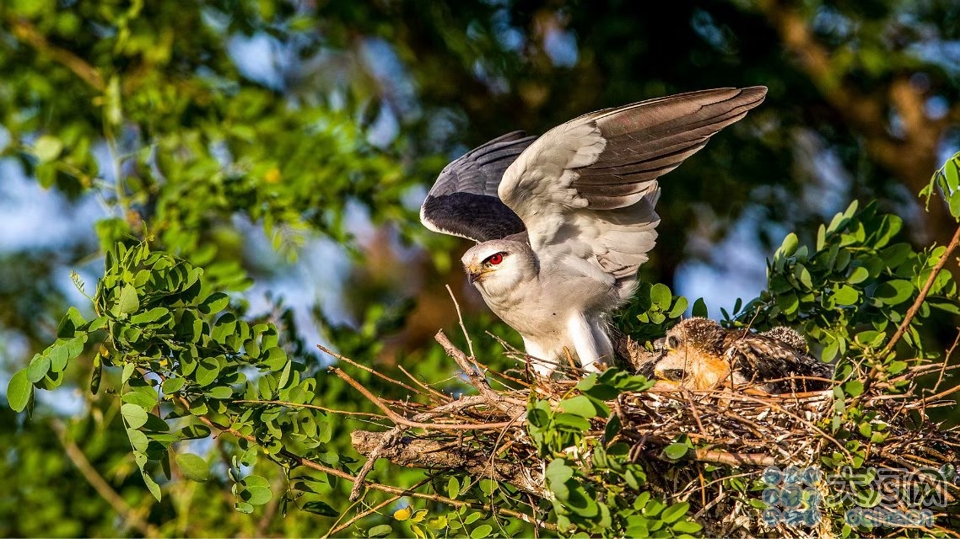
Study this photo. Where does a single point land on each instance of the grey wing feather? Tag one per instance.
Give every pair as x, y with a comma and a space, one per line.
588, 188
463, 201
648, 139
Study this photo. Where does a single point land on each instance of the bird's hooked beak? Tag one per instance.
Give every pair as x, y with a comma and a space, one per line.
474, 273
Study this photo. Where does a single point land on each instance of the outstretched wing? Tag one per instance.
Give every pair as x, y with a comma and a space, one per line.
588, 188
463, 201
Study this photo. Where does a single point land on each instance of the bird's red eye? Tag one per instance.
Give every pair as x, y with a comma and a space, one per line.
495, 259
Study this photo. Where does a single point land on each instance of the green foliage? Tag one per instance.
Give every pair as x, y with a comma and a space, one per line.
852, 288
143, 107
597, 487
653, 310
947, 181
186, 359
183, 353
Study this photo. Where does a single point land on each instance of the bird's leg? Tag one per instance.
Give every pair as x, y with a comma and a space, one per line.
540, 366
590, 349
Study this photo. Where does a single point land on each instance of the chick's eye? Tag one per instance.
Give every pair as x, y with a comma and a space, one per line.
673, 342
495, 259
674, 375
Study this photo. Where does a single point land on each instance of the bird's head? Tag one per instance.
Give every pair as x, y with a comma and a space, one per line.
694, 356
497, 266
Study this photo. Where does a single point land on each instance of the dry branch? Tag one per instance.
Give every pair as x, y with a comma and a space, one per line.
437, 454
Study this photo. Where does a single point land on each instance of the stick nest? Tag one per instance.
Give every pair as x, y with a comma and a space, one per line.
737, 434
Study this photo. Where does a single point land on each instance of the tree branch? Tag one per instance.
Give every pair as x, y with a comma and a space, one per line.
400, 420
307, 463
509, 406
434, 454
79, 459
28, 33
912, 312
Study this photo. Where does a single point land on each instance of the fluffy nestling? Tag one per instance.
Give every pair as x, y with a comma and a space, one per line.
700, 354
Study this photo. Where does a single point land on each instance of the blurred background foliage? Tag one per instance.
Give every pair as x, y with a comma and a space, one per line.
284, 146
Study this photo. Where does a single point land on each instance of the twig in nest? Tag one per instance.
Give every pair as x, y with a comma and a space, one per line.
433, 454
733, 459
341, 357
511, 407
400, 420
442, 396
463, 328
946, 360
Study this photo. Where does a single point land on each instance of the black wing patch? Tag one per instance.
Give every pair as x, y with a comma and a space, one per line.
463, 201
477, 217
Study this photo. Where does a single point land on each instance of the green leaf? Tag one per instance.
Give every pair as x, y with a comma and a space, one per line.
687, 526
587, 382
854, 388
96, 375
858, 275
207, 371
172, 385
803, 275
453, 488
214, 303
557, 473
789, 245
674, 512
700, 308
69, 324
788, 303
47, 148
258, 495
896, 367
152, 485
481, 532
193, 467
19, 391
219, 392
38, 368
382, 530
195, 432
679, 307
894, 292
846, 295
573, 421
246, 508
128, 369
661, 296
580, 405
150, 316
319, 507
134, 415
612, 427
143, 396
138, 440
255, 481
128, 302
675, 451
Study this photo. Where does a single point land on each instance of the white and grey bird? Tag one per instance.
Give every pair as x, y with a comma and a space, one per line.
564, 221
